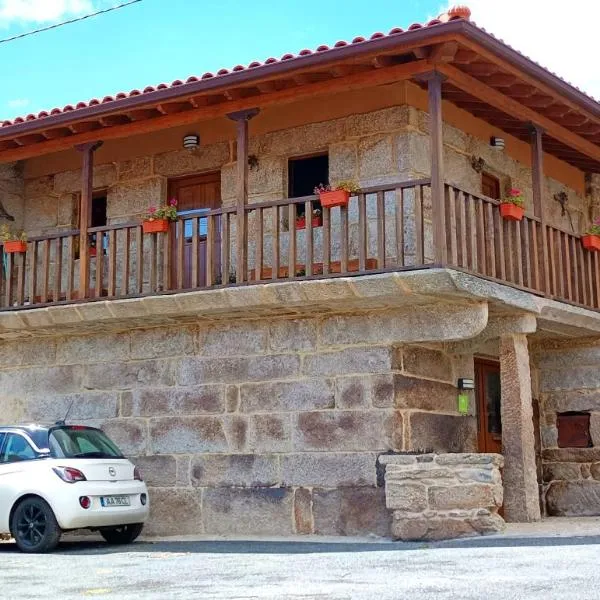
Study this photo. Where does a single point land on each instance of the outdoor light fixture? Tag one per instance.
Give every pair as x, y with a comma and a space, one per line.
497, 142
466, 384
191, 141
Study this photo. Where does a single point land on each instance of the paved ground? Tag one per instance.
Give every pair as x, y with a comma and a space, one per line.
556, 566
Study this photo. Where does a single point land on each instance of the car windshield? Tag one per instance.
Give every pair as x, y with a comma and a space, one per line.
81, 442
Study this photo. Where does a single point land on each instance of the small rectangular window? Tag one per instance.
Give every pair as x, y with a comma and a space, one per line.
98, 217
304, 174
573, 430
490, 186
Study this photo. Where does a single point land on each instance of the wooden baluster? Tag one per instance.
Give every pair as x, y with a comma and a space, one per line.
462, 217
490, 236
472, 220
292, 241
551, 241
326, 240
225, 248
210, 250
100, 264
8, 285
166, 258
45, 270
583, 272
527, 253
500, 258
452, 227
344, 240
153, 262
179, 251
57, 289
139, 243
21, 269
561, 266
575, 269
590, 279
399, 197
276, 244
481, 241
195, 262
597, 279
535, 241
33, 268
112, 263
519, 245
420, 249
510, 250
568, 274
309, 255
381, 230
70, 267
126, 258
362, 232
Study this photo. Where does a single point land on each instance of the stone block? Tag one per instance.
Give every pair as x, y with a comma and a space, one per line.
375, 156
573, 498
577, 455
423, 394
128, 375
238, 511
236, 430
562, 471
382, 390
343, 161
572, 378
400, 495
379, 121
40, 187
27, 353
350, 360
283, 396
93, 348
309, 138
425, 362
193, 371
344, 431
67, 210
595, 428
135, 168
269, 177
230, 340
232, 398
134, 198
238, 470
130, 435
442, 433
303, 517
182, 162
162, 342
174, 511
192, 435
270, 433
156, 401
454, 497
50, 380
353, 392
572, 400
158, 470
328, 469
184, 474
85, 406
294, 335
351, 511
565, 358
41, 214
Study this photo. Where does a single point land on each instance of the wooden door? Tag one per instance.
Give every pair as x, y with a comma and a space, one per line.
195, 197
487, 390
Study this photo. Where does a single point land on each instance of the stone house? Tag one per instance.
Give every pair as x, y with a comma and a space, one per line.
257, 363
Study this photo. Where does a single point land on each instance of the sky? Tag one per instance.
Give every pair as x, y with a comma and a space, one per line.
156, 41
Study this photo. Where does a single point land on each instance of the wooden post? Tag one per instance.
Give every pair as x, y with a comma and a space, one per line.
85, 209
241, 118
537, 172
434, 91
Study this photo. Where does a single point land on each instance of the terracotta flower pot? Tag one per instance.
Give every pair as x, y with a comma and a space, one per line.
15, 246
301, 223
156, 226
336, 198
92, 251
591, 242
511, 212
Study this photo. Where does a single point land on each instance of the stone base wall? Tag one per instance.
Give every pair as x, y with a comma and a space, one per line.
568, 380
258, 427
443, 496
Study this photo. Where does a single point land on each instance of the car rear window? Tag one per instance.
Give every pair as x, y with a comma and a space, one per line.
81, 442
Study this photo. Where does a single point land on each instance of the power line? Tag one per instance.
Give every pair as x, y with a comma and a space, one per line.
95, 14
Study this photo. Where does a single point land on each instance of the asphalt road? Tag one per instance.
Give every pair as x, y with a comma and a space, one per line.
562, 568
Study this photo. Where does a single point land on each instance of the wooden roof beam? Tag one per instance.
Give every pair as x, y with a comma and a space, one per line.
516, 109
500, 80
112, 120
443, 53
538, 101
85, 126
142, 114
60, 132
171, 108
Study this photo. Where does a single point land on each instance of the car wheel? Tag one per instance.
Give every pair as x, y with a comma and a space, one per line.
34, 526
124, 534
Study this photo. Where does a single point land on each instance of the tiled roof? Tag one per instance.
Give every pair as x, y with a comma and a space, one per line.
453, 14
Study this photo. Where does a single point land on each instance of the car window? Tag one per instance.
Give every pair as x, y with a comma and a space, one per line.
2, 434
81, 442
16, 448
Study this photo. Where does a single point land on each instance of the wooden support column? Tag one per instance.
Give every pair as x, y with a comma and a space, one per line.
241, 118
85, 209
537, 171
434, 91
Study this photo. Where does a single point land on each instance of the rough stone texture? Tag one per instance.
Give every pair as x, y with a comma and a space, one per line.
520, 478
443, 496
174, 511
573, 498
442, 433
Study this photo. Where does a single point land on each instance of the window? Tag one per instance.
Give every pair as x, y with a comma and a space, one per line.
490, 186
81, 442
98, 217
16, 448
304, 174
573, 430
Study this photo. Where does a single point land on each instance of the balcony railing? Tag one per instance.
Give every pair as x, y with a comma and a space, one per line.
385, 228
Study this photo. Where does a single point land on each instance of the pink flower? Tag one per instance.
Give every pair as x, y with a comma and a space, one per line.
152, 210
173, 202
515, 193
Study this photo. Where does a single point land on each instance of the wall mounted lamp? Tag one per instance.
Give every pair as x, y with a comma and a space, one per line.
191, 141
497, 142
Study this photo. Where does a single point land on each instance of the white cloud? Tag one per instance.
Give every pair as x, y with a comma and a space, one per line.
559, 35
18, 103
42, 11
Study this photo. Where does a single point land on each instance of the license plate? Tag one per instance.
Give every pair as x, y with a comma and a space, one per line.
115, 501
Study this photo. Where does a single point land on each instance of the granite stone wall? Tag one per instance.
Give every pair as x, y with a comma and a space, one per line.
264, 426
567, 382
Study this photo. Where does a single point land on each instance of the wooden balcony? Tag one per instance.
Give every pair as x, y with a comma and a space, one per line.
386, 228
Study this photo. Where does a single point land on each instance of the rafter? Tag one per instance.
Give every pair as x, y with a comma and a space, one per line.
443, 52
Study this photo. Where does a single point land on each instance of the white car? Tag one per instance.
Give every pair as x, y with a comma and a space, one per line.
64, 477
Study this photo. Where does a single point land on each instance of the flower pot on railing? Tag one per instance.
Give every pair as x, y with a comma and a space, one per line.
317, 221
156, 226
337, 195
511, 207
15, 247
591, 242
